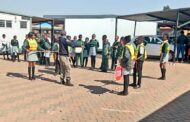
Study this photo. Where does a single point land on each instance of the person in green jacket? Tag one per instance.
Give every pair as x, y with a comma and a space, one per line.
86, 52
79, 55
105, 54
93, 47
41, 43
164, 56
114, 52
119, 50
15, 49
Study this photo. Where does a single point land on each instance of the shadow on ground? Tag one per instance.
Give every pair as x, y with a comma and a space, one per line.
108, 82
95, 89
178, 111
19, 75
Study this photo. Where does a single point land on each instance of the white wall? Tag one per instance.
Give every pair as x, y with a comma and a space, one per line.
15, 30
87, 27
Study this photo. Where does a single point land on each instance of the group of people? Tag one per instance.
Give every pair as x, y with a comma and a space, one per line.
10, 47
183, 47
129, 55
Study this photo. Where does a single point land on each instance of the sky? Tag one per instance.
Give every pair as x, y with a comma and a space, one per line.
87, 7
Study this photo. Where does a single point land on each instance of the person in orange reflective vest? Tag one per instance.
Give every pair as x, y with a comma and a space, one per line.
164, 56
31, 46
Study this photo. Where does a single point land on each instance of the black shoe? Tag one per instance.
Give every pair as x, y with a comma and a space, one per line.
69, 84
33, 78
132, 84
123, 93
62, 81
161, 78
137, 86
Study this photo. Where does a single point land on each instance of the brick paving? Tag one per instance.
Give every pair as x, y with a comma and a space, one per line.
94, 97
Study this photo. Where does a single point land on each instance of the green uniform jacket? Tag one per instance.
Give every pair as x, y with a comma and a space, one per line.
164, 50
126, 59
14, 43
79, 43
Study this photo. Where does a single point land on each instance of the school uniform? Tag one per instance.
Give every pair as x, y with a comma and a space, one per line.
105, 57
79, 55
93, 46
15, 49
114, 54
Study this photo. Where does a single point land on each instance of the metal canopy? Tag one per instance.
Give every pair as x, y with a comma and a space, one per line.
169, 15
181, 17
37, 20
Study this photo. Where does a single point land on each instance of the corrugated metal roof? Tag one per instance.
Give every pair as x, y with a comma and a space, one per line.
169, 15
80, 16
13, 13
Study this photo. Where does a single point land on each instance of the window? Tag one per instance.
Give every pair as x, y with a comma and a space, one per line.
23, 24
25, 18
2, 23
9, 24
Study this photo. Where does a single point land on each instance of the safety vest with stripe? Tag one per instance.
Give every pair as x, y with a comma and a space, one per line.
161, 46
131, 49
137, 52
32, 44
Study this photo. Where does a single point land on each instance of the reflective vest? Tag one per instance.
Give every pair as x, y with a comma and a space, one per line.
131, 49
32, 44
161, 46
137, 51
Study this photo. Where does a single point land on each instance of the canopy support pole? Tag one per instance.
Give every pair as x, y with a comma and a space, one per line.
116, 24
176, 28
135, 27
52, 32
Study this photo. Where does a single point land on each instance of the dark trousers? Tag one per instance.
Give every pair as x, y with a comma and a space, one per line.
73, 59
47, 61
114, 62
14, 57
25, 55
125, 84
6, 53
138, 69
93, 61
57, 65
85, 61
186, 52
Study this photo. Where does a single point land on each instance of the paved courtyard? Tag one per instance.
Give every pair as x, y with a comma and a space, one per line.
94, 97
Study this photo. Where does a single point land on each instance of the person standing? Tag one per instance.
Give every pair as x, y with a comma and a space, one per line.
105, 54
86, 52
164, 56
126, 63
55, 48
119, 50
140, 55
31, 46
114, 53
93, 45
188, 48
64, 58
181, 44
15, 49
79, 45
47, 47
24, 51
5, 47
73, 55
